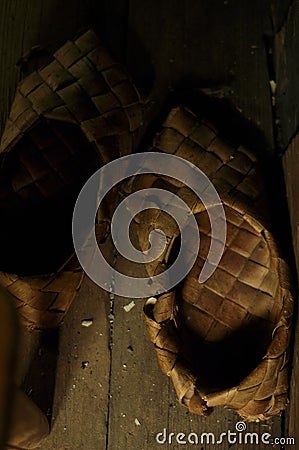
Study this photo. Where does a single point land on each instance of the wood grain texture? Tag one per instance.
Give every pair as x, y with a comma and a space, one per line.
287, 123
82, 375
279, 13
286, 69
291, 167
217, 47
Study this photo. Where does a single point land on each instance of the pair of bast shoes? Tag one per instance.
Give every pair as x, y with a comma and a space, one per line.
224, 341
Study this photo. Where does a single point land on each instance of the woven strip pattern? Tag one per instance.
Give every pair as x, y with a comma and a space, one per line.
52, 160
245, 286
82, 89
83, 85
233, 171
250, 290
43, 301
69, 118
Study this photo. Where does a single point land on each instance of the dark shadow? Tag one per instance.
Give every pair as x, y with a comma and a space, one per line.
40, 181
113, 27
224, 364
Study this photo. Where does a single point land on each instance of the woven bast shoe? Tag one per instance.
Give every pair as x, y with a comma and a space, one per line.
69, 118
224, 341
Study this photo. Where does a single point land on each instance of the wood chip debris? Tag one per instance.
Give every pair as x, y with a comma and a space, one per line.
129, 306
86, 322
273, 86
273, 91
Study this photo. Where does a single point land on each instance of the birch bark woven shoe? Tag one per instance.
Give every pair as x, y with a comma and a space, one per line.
225, 341
68, 119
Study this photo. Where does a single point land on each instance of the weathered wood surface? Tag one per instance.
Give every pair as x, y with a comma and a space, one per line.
215, 46
80, 407
286, 45
291, 168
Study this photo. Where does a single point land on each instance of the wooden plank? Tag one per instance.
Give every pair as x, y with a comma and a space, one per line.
286, 68
12, 23
109, 20
82, 375
287, 120
137, 396
214, 46
279, 13
136, 391
291, 167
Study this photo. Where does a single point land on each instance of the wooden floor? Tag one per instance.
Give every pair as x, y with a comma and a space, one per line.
101, 386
